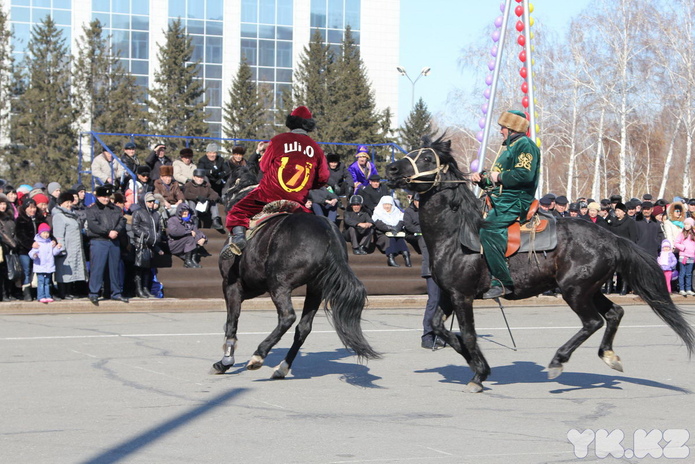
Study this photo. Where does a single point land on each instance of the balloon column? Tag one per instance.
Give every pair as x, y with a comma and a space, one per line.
523, 11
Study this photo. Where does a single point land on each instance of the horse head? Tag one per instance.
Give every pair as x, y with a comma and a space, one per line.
245, 182
422, 169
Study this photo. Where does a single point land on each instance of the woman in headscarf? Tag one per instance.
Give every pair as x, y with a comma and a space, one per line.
70, 265
390, 236
185, 239
28, 221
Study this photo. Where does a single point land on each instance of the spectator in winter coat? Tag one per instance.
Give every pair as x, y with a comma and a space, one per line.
216, 167
673, 222
340, 179
358, 226
156, 159
685, 243
27, 226
373, 192
202, 198
43, 253
105, 169
184, 167
185, 239
8, 242
169, 189
362, 169
71, 265
137, 188
388, 222
649, 233
146, 228
324, 202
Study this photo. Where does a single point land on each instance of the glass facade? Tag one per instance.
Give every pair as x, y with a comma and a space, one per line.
203, 22
331, 17
128, 24
266, 43
24, 14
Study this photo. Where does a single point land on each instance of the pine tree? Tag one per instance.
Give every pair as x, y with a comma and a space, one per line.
352, 117
417, 125
177, 100
44, 119
314, 84
6, 65
106, 94
245, 114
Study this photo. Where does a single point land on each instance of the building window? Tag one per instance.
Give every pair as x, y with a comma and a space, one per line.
332, 17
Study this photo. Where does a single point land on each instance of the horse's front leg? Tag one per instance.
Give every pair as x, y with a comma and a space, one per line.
282, 298
463, 307
312, 302
232, 297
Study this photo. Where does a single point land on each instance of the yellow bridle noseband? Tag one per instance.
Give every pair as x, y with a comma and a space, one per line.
414, 179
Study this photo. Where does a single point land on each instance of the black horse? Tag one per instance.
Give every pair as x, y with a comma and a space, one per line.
586, 256
290, 251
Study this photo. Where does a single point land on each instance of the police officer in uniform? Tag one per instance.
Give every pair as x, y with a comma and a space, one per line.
513, 181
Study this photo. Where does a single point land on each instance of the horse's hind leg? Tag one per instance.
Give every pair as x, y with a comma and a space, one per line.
286, 317
311, 306
232, 297
583, 306
613, 314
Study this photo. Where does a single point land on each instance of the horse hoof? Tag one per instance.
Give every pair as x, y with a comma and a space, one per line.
219, 368
254, 363
554, 372
473, 387
281, 371
613, 360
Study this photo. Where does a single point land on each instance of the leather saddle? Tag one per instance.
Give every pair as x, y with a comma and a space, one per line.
271, 210
538, 232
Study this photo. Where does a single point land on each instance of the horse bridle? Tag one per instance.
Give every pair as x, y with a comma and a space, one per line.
438, 171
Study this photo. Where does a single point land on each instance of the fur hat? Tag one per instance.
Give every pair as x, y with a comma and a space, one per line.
621, 206
186, 153
574, 207
615, 198
514, 120
66, 196
302, 112
333, 158
166, 170
144, 170
104, 190
300, 118
44, 227
594, 205
238, 150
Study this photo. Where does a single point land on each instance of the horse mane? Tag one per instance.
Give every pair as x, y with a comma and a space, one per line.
462, 202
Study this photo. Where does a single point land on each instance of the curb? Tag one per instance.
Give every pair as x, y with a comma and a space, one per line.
180, 305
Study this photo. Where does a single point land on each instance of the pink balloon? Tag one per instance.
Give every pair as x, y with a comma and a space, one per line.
488, 79
474, 165
491, 65
498, 21
493, 51
481, 123
496, 35
486, 93
479, 136
483, 108
502, 7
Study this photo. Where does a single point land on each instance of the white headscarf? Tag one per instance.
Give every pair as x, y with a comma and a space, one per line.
380, 214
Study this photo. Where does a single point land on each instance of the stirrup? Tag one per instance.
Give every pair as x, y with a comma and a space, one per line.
496, 292
230, 251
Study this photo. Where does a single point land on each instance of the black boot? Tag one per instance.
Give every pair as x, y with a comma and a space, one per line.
217, 225
406, 257
188, 260
236, 245
26, 292
64, 291
195, 256
391, 261
146, 283
138, 287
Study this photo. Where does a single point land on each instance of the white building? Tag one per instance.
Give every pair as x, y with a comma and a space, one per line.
270, 33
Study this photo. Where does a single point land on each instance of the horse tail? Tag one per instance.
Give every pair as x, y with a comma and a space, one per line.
346, 296
646, 278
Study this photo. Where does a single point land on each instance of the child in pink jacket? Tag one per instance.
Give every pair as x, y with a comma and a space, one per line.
685, 244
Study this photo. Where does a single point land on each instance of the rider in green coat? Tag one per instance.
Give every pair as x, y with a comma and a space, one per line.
513, 181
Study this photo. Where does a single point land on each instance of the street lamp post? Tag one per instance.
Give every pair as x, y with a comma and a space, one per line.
425, 71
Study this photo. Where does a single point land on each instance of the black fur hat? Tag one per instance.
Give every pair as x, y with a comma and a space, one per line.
301, 118
66, 196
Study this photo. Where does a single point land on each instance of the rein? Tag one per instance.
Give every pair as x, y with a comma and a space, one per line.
437, 172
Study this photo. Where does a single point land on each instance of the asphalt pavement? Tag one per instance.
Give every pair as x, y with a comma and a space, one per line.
134, 387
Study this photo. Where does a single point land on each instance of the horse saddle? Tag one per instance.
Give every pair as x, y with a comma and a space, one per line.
271, 210
537, 233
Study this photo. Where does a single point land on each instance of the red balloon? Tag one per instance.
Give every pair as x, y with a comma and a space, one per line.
519, 1
519, 26
521, 40
522, 56
523, 73
519, 10
524, 87
524, 102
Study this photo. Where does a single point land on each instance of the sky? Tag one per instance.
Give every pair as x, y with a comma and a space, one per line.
434, 32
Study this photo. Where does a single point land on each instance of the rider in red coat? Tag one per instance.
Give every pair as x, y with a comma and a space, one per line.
292, 165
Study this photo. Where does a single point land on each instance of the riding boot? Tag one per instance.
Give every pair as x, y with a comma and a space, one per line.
26, 292
391, 261
138, 287
406, 257
237, 244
